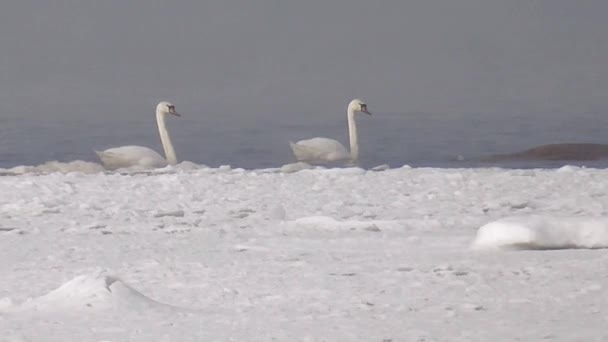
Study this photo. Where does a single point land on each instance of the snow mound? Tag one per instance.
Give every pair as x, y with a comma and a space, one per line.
295, 167
188, 166
56, 167
382, 167
81, 166
539, 232
340, 171
85, 292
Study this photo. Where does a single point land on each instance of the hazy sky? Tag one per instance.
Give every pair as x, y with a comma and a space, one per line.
109, 59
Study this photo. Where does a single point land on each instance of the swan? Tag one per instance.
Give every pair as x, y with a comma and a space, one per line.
319, 150
128, 156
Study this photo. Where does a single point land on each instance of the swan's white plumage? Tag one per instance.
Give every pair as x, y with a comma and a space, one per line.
320, 149
129, 156
140, 156
324, 150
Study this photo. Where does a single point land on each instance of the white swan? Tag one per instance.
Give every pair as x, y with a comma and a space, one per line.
319, 150
128, 156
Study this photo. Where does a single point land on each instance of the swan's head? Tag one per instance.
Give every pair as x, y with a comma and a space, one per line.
357, 105
165, 107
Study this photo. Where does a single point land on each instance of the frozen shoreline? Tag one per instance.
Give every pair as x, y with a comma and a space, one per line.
334, 254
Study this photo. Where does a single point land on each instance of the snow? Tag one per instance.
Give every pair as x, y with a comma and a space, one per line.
301, 253
89, 293
55, 166
537, 232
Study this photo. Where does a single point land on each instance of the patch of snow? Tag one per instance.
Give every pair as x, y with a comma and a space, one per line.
569, 169
77, 166
543, 232
87, 292
382, 167
295, 167
278, 213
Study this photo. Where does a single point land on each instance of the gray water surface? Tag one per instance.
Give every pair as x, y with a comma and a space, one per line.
416, 139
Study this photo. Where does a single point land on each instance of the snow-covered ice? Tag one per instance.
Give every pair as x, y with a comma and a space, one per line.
537, 232
301, 253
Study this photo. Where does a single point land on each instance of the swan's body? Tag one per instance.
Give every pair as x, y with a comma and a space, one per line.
140, 156
573, 151
128, 156
323, 150
320, 149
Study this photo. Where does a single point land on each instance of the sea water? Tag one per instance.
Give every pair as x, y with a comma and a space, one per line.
396, 139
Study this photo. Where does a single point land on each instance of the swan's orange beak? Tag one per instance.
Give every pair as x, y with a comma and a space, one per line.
175, 113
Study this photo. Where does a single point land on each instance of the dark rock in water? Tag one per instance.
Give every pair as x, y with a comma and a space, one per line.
578, 152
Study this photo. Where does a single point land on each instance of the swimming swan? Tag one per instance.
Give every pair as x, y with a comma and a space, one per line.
128, 156
319, 150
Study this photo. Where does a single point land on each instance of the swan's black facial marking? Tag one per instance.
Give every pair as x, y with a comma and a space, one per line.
171, 110
364, 109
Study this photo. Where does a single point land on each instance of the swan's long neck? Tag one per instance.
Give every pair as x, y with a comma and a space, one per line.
165, 139
352, 134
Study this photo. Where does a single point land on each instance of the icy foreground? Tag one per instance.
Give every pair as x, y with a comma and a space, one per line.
537, 232
189, 254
